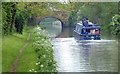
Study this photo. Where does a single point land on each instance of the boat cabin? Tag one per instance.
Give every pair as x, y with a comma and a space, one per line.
91, 32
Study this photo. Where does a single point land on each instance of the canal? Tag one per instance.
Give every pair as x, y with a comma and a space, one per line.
81, 56
85, 56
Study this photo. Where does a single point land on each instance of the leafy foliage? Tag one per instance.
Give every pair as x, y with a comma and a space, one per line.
8, 12
72, 18
21, 20
100, 13
38, 8
45, 61
115, 25
0, 13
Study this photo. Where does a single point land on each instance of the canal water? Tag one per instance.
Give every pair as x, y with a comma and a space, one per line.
85, 55
81, 56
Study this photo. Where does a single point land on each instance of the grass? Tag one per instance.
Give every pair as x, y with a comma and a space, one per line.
30, 61
0, 60
11, 46
10, 49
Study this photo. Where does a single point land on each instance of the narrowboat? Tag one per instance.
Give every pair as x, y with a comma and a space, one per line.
91, 32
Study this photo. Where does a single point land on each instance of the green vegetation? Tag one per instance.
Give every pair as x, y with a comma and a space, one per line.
8, 16
32, 49
18, 39
37, 52
16, 15
115, 25
42, 45
0, 37
11, 46
27, 60
100, 13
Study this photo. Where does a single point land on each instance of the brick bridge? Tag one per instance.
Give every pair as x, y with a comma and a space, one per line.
60, 15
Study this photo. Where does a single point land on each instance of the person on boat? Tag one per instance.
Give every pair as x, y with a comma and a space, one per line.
85, 22
90, 23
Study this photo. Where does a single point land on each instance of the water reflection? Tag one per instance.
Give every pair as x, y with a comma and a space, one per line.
86, 56
52, 25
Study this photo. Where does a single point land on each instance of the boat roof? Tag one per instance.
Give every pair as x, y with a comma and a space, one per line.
91, 27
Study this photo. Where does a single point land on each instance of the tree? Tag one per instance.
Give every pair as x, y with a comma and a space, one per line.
8, 12
99, 13
20, 20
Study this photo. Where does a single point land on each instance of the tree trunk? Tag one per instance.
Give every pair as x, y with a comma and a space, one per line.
13, 17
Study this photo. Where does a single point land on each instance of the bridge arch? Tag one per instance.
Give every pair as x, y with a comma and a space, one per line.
62, 22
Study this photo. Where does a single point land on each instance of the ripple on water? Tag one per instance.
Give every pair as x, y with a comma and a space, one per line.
85, 55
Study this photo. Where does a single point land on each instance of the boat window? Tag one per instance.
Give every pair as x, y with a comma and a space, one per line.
80, 29
77, 28
90, 31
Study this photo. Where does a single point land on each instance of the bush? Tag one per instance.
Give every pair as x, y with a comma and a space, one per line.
45, 60
116, 25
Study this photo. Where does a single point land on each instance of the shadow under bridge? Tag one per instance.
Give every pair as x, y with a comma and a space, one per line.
53, 25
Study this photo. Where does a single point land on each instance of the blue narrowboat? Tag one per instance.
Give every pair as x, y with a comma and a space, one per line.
91, 32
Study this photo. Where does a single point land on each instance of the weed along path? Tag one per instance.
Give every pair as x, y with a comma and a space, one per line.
16, 63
